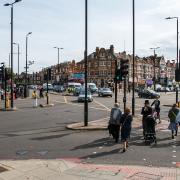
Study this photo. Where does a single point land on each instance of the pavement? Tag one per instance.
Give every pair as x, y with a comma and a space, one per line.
77, 169
73, 169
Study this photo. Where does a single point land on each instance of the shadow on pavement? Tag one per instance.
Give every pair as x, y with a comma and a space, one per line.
114, 151
96, 143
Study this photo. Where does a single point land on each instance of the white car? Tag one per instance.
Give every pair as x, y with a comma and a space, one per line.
81, 97
105, 92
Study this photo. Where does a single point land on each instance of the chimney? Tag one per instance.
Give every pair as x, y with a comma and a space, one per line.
112, 49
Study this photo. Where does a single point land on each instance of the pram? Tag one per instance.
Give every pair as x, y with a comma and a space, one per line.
150, 133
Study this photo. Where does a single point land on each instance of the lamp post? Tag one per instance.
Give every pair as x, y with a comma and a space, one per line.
154, 49
18, 58
25, 90
133, 87
85, 58
12, 5
178, 63
58, 55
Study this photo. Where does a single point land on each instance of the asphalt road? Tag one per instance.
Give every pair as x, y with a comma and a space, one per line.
40, 133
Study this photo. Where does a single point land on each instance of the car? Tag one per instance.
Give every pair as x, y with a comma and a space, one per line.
165, 89
77, 91
105, 92
81, 97
50, 87
147, 93
92, 87
58, 88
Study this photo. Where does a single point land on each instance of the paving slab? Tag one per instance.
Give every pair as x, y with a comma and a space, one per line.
74, 170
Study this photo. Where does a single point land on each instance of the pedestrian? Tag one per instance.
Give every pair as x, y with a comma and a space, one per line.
126, 125
41, 92
156, 103
34, 97
146, 110
114, 122
173, 125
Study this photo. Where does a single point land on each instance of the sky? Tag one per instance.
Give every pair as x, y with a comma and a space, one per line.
61, 23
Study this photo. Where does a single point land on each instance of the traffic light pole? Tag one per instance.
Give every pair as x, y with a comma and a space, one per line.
115, 82
124, 98
5, 87
47, 87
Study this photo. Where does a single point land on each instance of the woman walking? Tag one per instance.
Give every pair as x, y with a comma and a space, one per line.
126, 124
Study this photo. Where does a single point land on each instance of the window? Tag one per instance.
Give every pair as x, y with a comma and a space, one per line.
108, 63
101, 63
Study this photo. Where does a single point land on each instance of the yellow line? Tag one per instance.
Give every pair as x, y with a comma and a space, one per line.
65, 99
102, 105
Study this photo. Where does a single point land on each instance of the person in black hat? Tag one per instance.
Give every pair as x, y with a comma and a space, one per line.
146, 110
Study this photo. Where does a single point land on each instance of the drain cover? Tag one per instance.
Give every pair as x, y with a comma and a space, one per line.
21, 152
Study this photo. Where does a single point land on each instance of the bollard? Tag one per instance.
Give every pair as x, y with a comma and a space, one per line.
7, 103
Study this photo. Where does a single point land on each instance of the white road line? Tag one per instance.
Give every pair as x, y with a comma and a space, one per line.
102, 105
73, 104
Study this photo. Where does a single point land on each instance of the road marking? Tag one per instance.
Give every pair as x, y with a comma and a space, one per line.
102, 105
65, 99
173, 162
80, 105
174, 156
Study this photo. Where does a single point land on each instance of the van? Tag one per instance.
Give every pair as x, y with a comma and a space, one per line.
74, 85
92, 86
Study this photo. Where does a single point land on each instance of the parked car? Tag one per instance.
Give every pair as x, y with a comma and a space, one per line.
105, 92
81, 97
146, 93
50, 87
58, 88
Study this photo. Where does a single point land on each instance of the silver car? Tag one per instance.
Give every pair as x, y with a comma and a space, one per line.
105, 92
81, 97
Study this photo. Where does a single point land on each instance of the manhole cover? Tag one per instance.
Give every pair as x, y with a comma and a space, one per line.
145, 176
42, 152
2, 169
21, 152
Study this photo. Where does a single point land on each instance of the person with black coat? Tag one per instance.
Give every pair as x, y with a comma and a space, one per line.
146, 110
126, 125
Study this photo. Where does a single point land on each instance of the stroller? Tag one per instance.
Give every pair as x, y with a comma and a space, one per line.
150, 133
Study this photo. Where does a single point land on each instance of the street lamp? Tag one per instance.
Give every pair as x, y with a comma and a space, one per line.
25, 90
11, 4
58, 55
178, 63
18, 58
86, 61
155, 66
133, 87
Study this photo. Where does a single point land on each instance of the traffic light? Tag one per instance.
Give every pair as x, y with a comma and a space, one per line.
124, 67
118, 75
49, 73
1, 73
177, 75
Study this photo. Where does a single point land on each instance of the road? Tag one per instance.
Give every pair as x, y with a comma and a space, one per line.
31, 133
